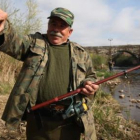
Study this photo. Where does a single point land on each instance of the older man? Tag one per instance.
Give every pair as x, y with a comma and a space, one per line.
53, 66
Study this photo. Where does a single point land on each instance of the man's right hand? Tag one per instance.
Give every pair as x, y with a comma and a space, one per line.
3, 18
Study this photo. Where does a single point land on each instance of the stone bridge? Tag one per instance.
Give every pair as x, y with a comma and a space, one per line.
133, 50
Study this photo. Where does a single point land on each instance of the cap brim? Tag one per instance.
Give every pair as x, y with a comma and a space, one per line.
59, 17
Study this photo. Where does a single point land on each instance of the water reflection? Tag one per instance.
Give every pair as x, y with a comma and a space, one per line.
130, 88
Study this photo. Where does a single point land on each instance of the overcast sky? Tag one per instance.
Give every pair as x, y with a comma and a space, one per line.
97, 21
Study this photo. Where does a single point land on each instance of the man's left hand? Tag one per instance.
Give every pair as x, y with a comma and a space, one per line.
89, 88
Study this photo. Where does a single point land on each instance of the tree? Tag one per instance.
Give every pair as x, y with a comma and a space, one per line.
33, 22
7, 6
24, 23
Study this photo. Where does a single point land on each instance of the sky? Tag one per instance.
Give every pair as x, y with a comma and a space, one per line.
97, 22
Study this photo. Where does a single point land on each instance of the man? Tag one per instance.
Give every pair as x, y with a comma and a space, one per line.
110, 64
53, 66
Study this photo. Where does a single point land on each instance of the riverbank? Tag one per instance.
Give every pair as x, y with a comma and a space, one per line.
109, 122
3, 130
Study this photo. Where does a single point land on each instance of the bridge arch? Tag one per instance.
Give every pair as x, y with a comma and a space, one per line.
134, 55
119, 53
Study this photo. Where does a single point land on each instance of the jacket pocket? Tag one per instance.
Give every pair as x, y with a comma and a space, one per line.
37, 50
35, 57
81, 66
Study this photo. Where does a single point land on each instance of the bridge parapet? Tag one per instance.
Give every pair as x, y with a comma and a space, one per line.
108, 50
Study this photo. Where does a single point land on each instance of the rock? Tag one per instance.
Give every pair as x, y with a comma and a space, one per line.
131, 105
116, 83
138, 100
133, 100
108, 82
121, 91
128, 82
122, 96
121, 126
138, 106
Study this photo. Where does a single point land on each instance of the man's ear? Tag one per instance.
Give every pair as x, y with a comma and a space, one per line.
70, 31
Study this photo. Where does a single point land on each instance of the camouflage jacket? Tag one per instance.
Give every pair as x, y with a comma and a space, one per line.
33, 51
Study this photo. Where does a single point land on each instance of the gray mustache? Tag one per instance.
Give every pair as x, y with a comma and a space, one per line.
56, 34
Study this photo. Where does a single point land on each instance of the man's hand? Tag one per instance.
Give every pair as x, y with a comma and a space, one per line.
3, 18
89, 88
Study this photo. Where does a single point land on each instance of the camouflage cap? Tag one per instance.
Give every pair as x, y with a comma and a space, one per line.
64, 14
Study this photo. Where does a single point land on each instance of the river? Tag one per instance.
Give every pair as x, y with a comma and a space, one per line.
130, 88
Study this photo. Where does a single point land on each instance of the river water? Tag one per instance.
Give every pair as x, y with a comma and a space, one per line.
130, 88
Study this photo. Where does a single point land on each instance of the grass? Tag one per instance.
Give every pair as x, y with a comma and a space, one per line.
110, 124
99, 61
5, 88
104, 73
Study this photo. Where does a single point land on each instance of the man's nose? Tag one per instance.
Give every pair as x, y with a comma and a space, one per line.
56, 29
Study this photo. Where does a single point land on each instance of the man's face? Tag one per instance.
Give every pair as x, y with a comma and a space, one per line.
58, 31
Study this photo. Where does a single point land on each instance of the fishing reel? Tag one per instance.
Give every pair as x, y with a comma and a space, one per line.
75, 109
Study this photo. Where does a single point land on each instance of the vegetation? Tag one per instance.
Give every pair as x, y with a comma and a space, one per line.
104, 73
99, 61
9, 69
24, 23
110, 124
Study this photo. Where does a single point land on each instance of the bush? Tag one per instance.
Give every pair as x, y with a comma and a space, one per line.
99, 61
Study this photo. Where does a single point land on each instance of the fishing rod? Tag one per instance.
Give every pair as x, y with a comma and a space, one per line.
77, 91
